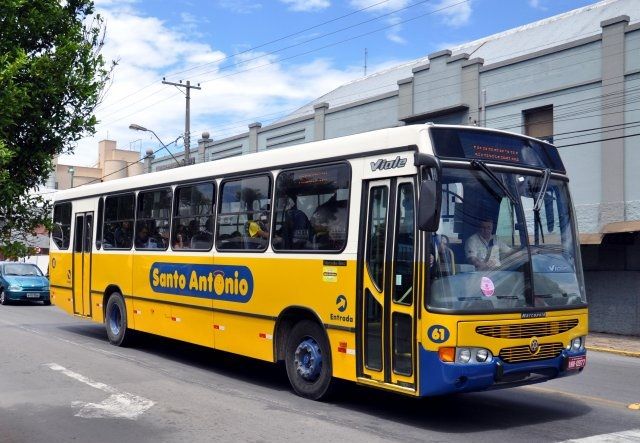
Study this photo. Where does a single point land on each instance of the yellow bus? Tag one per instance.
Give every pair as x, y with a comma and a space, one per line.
424, 259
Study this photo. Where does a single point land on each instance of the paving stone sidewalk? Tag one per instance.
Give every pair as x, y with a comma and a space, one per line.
620, 344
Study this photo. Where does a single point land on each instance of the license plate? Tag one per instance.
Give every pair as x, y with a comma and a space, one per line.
33, 295
576, 362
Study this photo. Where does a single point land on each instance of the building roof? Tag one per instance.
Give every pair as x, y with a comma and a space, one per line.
537, 36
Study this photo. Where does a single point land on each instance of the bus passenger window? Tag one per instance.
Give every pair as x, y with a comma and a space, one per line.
243, 214
193, 217
118, 222
152, 219
61, 232
312, 209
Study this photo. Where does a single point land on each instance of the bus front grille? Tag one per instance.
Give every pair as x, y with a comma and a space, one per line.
518, 354
527, 330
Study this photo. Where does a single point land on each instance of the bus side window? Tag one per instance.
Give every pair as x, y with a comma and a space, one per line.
193, 217
244, 205
153, 219
118, 221
61, 232
312, 209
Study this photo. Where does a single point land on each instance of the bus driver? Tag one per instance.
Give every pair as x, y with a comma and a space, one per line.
483, 249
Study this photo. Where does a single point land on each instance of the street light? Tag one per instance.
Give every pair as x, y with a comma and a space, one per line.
135, 127
71, 171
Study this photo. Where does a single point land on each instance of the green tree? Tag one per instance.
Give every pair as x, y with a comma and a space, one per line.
51, 79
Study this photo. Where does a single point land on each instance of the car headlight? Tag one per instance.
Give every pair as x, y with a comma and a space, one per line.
14, 287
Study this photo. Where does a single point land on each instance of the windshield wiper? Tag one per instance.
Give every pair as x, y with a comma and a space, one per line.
485, 168
543, 190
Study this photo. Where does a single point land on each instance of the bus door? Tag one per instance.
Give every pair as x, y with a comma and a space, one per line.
82, 263
387, 305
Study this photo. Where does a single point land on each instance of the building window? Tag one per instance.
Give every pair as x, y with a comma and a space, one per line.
538, 123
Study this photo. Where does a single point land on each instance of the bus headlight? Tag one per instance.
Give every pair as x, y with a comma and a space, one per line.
482, 355
577, 344
473, 355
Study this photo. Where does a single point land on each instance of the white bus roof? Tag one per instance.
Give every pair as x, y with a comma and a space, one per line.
367, 143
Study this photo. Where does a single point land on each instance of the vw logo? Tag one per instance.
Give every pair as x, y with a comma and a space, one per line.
534, 346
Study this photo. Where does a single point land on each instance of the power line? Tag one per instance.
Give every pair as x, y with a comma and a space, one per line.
259, 46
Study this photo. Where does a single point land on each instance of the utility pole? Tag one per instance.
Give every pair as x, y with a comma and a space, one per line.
187, 119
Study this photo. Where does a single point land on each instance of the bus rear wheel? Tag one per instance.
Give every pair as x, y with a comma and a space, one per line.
116, 321
308, 360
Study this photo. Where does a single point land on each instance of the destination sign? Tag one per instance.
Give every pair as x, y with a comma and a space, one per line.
494, 147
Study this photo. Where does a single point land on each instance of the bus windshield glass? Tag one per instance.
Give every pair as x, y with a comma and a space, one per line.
496, 250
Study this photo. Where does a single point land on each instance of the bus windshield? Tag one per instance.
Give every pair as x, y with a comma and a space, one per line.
497, 250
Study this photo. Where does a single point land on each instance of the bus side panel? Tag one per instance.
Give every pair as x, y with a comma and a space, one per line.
278, 283
60, 268
240, 334
111, 268
343, 357
182, 317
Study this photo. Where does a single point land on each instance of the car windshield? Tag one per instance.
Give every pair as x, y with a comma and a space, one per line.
21, 269
496, 250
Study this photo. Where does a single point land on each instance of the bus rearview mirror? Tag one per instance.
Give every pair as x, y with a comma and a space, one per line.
429, 205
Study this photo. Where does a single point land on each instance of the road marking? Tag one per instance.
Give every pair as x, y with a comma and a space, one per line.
578, 396
118, 405
634, 406
632, 435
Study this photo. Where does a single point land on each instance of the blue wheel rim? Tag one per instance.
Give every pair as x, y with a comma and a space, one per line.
308, 360
115, 319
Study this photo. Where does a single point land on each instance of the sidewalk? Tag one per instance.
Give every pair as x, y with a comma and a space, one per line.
616, 344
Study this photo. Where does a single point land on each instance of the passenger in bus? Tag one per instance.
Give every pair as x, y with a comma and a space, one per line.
445, 258
295, 232
180, 237
123, 234
483, 249
258, 228
143, 241
329, 223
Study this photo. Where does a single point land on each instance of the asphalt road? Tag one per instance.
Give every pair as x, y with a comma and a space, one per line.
61, 381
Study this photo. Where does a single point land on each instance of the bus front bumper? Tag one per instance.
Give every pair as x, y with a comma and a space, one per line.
438, 377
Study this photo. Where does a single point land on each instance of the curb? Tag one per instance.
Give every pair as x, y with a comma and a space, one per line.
614, 351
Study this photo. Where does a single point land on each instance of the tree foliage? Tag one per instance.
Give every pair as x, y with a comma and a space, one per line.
51, 79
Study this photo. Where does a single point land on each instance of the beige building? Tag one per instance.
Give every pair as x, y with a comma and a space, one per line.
113, 163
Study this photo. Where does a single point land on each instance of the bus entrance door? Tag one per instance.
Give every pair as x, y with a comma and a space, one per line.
82, 264
387, 300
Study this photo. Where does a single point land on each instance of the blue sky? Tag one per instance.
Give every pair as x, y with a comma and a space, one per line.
259, 60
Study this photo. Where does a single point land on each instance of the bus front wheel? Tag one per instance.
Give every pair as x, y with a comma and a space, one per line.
116, 321
308, 360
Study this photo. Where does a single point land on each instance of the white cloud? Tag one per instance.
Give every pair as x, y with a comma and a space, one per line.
307, 5
379, 5
240, 6
393, 33
148, 49
537, 4
453, 12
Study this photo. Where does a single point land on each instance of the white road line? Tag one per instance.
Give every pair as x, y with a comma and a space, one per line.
632, 435
117, 405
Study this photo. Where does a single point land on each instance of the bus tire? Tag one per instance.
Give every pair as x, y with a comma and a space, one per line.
115, 321
308, 360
